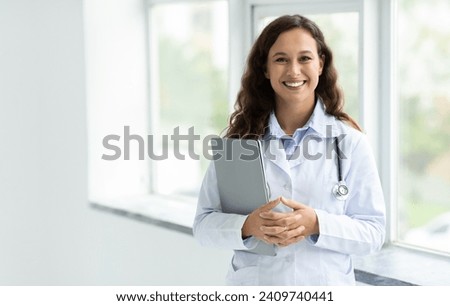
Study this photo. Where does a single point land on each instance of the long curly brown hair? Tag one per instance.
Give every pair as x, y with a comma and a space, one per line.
256, 98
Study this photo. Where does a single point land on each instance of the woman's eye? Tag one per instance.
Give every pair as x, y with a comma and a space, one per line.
304, 58
281, 60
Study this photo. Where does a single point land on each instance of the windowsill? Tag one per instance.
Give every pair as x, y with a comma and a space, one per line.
409, 265
393, 265
172, 213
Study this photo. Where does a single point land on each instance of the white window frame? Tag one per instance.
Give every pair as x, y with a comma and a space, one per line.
388, 159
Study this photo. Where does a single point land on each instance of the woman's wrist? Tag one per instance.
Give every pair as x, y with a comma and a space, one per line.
245, 231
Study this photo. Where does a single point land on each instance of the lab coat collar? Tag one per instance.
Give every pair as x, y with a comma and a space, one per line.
320, 124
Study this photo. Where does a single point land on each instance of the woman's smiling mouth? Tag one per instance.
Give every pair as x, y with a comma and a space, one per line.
294, 84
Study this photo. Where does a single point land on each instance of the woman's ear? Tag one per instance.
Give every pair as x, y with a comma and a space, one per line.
266, 73
322, 63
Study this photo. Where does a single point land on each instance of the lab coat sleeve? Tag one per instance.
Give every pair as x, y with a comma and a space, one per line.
211, 226
361, 229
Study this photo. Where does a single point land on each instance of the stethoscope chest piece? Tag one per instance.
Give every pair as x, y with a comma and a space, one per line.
340, 191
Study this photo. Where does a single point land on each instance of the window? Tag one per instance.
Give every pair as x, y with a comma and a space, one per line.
189, 93
423, 58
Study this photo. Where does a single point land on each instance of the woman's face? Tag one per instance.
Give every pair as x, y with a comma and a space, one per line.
294, 67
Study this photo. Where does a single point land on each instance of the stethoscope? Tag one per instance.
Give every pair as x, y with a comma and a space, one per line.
340, 190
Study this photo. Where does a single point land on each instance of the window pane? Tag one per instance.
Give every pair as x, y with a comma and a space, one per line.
341, 34
424, 119
191, 60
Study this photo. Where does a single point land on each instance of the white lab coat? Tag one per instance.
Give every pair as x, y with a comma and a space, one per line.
353, 226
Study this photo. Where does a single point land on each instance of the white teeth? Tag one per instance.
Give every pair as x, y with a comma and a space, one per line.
294, 84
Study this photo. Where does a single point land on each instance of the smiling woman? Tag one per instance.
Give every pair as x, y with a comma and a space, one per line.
257, 96
293, 68
341, 31
289, 93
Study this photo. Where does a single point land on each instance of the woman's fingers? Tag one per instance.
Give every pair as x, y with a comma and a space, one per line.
289, 220
272, 215
273, 230
285, 236
270, 205
253, 222
291, 203
288, 227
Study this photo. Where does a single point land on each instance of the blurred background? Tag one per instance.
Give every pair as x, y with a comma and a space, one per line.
72, 72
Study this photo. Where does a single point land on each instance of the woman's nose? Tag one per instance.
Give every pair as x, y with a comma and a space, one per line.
294, 69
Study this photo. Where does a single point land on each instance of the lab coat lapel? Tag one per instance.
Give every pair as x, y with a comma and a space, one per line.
275, 153
297, 158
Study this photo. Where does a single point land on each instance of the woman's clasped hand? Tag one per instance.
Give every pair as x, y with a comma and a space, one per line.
281, 228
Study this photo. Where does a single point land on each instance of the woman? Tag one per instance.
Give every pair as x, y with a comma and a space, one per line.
290, 99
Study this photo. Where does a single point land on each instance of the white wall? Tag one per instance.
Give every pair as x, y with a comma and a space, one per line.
48, 233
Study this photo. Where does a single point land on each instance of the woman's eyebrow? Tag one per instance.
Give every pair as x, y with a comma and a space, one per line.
285, 54
279, 53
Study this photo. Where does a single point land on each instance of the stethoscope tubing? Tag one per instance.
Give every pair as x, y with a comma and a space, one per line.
340, 190
338, 155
